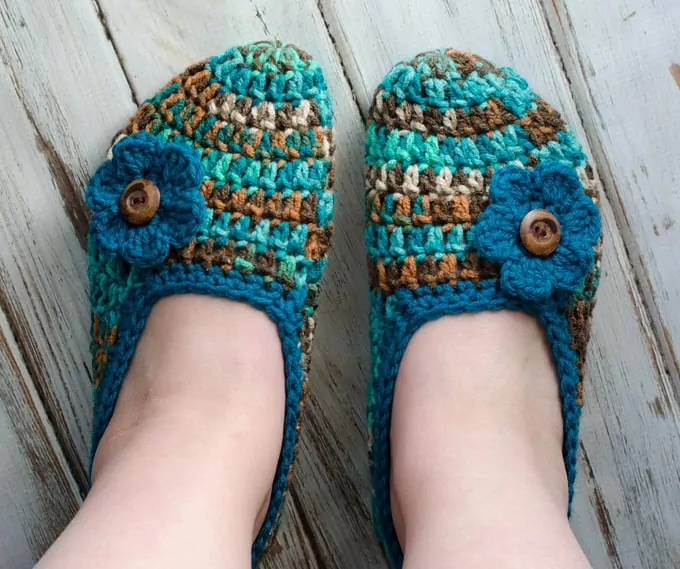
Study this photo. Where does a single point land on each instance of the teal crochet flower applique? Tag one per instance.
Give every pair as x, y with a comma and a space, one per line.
146, 199
552, 187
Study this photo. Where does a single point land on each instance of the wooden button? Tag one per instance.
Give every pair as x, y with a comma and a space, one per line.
140, 201
540, 232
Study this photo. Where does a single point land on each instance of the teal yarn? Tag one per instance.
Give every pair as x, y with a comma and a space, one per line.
437, 82
419, 242
458, 152
385, 146
247, 75
240, 150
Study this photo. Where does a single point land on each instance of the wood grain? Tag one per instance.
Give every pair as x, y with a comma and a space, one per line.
622, 74
71, 74
38, 495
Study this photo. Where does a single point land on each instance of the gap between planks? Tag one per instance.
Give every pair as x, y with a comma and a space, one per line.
101, 16
41, 495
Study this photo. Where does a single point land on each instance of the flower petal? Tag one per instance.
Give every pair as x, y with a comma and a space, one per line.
527, 278
183, 214
144, 246
104, 188
135, 155
497, 230
511, 185
184, 221
582, 221
108, 229
570, 263
181, 168
558, 185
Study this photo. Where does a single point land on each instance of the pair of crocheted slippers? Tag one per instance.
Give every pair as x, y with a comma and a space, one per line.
479, 197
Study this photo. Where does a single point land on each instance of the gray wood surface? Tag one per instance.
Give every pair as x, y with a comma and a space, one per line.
38, 494
71, 73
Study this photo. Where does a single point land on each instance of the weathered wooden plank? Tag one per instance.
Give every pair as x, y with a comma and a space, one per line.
625, 513
63, 93
630, 428
292, 546
623, 72
631, 423
38, 495
156, 40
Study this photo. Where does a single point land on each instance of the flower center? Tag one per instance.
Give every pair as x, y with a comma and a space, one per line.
540, 232
139, 201
543, 229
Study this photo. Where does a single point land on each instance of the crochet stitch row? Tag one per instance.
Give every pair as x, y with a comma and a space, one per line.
386, 146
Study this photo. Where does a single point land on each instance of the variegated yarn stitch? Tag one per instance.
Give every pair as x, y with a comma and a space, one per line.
458, 151
240, 148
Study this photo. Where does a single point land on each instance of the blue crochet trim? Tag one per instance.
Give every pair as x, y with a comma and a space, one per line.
176, 170
283, 308
403, 314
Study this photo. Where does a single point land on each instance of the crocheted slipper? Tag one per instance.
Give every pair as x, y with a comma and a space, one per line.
479, 197
220, 184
